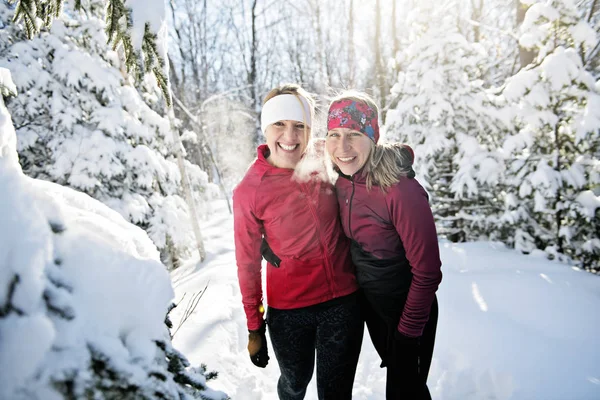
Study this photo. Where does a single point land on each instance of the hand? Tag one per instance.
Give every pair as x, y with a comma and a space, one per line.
405, 352
257, 347
406, 366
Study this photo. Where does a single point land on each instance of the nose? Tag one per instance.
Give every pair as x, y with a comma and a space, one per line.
345, 143
290, 131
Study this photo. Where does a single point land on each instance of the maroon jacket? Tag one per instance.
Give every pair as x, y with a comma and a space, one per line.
300, 221
397, 226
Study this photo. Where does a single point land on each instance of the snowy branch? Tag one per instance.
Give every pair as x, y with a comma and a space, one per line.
141, 57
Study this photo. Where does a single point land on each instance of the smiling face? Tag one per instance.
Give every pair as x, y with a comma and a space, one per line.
349, 149
287, 141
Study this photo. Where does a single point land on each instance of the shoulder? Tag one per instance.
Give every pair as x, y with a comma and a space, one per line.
406, 190
249, 184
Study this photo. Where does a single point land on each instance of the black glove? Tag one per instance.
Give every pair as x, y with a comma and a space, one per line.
257, 347
406, 362
405, 353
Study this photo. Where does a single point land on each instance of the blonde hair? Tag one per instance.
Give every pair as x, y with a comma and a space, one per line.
298, 91
386, 163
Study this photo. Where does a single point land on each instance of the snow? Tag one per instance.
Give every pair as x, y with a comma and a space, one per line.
560, 68
153, 13
106, 267
591, 115
78, 283
77, 280
81, 124
8, 139
73, 254
584, 33
7, 86
511, 326
589, 201
533, 34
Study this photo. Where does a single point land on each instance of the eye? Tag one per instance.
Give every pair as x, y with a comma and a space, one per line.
355, 133
300, 126
278, 123
333, 134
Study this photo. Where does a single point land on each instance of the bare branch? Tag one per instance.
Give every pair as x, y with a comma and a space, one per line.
190, 308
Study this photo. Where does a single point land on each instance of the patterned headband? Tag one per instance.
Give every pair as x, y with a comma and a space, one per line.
356, 115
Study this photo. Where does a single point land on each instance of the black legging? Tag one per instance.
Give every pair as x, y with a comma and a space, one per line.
399, 386
335, 330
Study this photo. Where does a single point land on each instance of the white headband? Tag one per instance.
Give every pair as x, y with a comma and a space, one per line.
285, 107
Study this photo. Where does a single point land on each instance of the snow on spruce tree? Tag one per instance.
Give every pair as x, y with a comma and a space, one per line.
82, 123
8, 140
554, 171
452, 121
75, 318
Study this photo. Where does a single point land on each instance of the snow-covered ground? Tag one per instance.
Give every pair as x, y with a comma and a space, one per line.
511, 326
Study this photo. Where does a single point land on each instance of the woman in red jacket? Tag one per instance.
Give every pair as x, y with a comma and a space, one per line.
386, 214
311, 286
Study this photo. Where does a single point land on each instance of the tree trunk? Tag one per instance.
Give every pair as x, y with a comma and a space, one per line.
185, 183
526, 56
395, 38
379, 67
208, 150
350, 43
558, 197
252, 78
204, 51
323, 79
594, 8
476, 14
586, 57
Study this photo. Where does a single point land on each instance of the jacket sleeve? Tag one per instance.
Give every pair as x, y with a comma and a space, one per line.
248, 236
413, 220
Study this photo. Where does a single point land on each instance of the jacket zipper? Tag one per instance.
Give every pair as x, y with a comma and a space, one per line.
322, 247
350, 210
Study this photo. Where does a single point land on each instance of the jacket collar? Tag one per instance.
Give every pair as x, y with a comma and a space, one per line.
359, 176
263, 165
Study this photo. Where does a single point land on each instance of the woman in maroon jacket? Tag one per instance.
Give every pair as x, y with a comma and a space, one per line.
385, 213
311, 286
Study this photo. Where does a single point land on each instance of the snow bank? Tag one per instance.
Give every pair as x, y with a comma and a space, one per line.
8, 139
83, 297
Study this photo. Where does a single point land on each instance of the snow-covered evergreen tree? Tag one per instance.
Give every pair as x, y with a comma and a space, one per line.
74, 318
554, 167
82, 123
8, 139
452, 121
139, 33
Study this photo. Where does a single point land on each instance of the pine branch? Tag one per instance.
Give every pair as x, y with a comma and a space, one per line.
155, 63
8, 305
119, 24
114, 12
27, 11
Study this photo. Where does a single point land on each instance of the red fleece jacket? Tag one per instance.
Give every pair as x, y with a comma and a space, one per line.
301, 224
